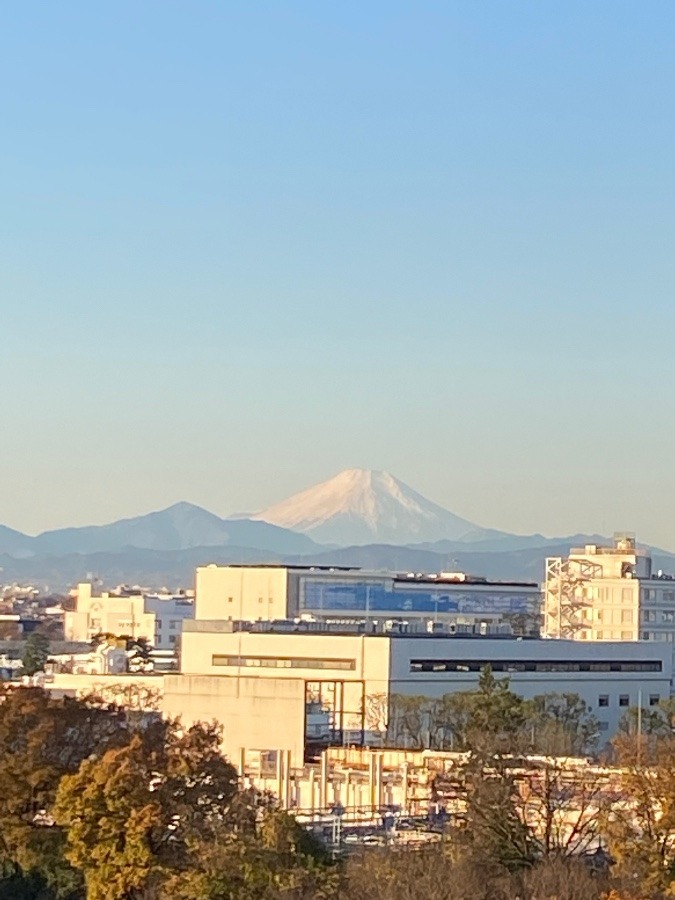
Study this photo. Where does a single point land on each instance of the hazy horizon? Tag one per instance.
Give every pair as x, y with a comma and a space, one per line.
246, 246
237, 514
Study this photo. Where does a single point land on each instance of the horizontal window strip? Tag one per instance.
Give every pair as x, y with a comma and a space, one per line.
474, 665
283, 662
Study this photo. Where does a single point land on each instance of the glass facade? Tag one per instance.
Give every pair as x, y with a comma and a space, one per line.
334, 595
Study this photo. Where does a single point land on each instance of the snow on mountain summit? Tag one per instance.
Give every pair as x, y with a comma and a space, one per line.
361, 506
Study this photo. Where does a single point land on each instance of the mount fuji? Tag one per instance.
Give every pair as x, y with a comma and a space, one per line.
361, 506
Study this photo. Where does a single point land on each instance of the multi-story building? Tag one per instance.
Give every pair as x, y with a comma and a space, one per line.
282, 685
156, 617
608, 594
335, 594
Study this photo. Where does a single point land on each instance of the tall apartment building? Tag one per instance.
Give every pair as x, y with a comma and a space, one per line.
608, 594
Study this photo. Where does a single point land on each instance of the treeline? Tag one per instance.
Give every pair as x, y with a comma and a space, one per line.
550, 724
98, 804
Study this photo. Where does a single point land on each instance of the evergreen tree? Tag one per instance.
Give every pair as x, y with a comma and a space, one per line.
35, 653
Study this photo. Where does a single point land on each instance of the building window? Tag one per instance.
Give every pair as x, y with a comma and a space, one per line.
649, 615
626, 635
603, 726
599, 635
668, 616
531, 665
624, 700
654, 699
283, 662
172, 638
603, 700
669, 596
626, 616
229, 599
645, 635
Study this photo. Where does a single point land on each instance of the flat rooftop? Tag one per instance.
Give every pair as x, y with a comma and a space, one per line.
369, 629
430, 578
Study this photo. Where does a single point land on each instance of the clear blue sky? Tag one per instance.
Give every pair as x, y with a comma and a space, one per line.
246, 245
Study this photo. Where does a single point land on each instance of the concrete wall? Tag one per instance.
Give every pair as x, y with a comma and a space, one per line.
240, 592
256, 713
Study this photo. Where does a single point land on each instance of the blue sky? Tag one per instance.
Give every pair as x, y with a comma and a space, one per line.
246, 245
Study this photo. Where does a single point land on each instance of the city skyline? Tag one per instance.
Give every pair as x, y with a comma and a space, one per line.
245, 248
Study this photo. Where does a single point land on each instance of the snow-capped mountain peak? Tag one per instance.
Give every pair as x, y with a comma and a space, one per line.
362, 506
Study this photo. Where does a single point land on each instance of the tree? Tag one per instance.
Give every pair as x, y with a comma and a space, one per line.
35, 653
560, 725
279, 859
139, 652
450, 720
434, 872
496, 717
138, 814
408, 721
641, 823
563, 806
495, 826
41, 739
650, 721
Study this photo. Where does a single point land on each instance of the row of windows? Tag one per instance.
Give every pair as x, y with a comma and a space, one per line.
651, 595
626, 594
173, 624
260, 599
283, 662
624, 700
473, 665
667, 616
609, 616
608, 594
613, 636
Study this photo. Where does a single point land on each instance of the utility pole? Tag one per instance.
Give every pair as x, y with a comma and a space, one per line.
639, 727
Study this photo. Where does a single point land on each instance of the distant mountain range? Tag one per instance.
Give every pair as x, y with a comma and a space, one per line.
359, 518
360, 506
179, 527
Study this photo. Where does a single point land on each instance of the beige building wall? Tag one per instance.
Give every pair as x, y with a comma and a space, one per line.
241, 592
262, 714
349, 672
357, 657
105, 614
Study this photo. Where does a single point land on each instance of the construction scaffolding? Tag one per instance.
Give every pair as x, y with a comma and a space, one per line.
568, 595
